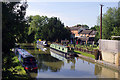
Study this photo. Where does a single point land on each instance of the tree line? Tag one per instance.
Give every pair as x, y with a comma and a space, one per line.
49, 29
18, 29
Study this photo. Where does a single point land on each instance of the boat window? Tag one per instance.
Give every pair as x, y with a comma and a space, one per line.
62, 48
59, 47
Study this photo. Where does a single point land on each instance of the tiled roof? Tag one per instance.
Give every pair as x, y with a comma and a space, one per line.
93, 33
86, 32
74, 28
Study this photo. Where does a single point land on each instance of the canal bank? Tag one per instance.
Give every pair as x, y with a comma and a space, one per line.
53, 66
96, 57
100, 62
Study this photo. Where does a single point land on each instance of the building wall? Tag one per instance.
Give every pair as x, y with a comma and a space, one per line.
75, 32
110, 51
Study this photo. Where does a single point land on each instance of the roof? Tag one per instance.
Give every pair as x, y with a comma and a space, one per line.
86, 32
24, 53
93, 33
74, 28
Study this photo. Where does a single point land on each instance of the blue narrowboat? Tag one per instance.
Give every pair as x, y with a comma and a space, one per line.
27, 60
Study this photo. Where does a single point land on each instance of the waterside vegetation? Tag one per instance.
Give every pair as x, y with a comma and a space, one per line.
12, 69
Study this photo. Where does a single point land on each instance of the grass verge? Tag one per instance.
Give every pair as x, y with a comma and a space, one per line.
85, 54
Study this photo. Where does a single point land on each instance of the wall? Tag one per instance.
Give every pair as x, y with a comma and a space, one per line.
75, 32
110, 51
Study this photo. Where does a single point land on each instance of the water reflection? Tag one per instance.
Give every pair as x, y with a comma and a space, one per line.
63, 58
40, 47
45, 62
104, 72
53, 65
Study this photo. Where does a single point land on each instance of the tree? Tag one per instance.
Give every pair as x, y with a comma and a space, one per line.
85, 26
12, 23
55, 30
111, 23
36, 24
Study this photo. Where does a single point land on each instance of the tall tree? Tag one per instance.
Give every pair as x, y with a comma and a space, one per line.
111, 23
55, 30
36, 24
12, 23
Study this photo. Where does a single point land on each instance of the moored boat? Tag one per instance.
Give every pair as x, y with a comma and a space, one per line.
27, 60
60, 57
44, 43
66, 51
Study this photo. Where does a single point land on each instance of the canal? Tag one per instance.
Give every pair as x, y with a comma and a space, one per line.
52, 65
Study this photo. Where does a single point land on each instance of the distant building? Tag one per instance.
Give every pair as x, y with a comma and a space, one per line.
87, 36
75, 30
82, 34
87, 33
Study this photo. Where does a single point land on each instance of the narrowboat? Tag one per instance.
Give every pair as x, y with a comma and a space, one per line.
44, 43
27, 60
60, 57
66, 51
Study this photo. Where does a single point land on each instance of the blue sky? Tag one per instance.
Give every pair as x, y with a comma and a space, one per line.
70, 13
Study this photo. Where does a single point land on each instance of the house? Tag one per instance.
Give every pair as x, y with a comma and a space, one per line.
76, 29
82, 34
87, 36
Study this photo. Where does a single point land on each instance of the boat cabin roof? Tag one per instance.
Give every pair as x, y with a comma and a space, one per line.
24, 53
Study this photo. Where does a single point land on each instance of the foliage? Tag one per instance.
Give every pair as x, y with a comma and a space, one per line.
50, 29
97, 36
11, 68
36, 24
13, 23
111, 23
85, 26
55, 30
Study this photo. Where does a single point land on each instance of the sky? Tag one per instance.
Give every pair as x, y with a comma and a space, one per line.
70, 13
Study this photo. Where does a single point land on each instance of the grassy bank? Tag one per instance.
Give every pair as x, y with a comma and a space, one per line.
89, 47
11, 67
85, 54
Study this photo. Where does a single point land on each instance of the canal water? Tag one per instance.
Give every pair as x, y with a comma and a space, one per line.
52, 65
